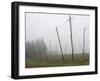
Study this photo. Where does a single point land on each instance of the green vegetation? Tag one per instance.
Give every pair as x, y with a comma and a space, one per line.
56, 60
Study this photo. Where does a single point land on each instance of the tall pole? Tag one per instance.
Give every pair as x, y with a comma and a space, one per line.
50, 46
71, 38
60, 44
45, 49
84, 40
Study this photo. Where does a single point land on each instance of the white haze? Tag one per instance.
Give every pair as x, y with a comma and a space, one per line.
39, 25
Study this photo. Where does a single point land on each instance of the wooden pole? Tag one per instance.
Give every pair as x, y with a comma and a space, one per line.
45, 49
84, 40
50, 46
60, 44
71, 38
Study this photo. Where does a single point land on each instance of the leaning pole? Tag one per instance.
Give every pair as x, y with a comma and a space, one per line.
60, 44
45, 52
84, 40
71, 37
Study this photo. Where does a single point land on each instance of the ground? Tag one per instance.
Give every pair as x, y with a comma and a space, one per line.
56, 60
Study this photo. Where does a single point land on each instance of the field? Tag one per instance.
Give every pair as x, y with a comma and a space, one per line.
56, 60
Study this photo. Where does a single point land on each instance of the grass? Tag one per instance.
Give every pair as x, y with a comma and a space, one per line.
56, 60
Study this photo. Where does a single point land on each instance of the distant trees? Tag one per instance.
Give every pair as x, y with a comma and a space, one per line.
35, 49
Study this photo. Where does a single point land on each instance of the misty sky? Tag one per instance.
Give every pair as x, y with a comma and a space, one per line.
39, 25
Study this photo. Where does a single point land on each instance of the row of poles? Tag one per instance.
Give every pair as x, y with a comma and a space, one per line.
71, 38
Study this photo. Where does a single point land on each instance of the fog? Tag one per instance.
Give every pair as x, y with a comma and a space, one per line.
43, 26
